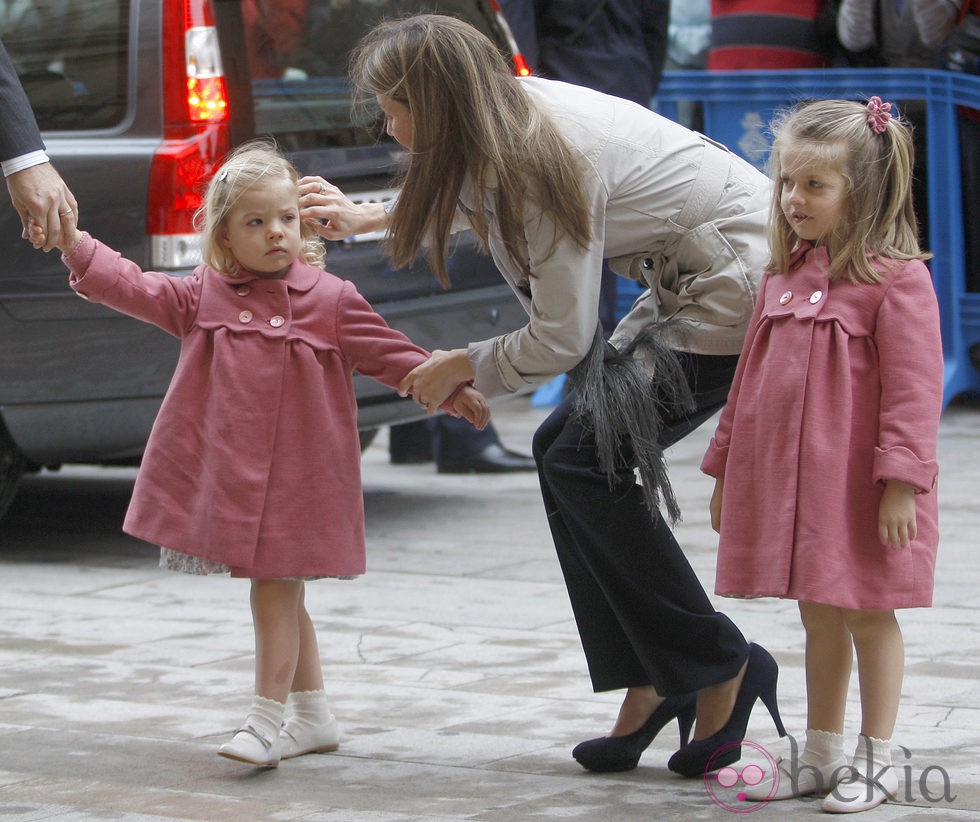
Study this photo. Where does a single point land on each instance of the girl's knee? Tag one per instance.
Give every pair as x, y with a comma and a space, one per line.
817, 617
277, 593
869, 619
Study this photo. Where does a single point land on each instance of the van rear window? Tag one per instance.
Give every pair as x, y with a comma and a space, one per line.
298, 62
71, 58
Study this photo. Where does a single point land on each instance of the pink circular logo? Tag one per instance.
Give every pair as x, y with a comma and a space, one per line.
726, 785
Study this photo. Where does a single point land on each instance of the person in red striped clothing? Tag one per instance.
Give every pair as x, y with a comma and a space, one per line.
767, 34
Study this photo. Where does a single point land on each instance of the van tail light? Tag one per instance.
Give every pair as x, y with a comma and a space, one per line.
521, 68
196, 133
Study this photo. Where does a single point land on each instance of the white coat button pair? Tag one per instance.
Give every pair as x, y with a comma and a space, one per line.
247, 317
814, 298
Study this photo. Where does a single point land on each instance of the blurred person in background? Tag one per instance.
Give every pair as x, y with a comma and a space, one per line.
767, 34
618, 47
902, 34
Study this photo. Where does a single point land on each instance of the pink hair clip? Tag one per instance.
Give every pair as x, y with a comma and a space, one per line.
879, 113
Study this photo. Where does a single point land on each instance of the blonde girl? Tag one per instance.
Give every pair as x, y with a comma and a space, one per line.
825, 454
252, 466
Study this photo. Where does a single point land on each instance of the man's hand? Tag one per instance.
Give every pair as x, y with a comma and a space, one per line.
42, 199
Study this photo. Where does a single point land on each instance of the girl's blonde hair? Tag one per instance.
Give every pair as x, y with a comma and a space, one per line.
470, 117
877, 220
249, 165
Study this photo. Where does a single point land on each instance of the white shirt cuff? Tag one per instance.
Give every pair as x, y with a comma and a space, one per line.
15, 164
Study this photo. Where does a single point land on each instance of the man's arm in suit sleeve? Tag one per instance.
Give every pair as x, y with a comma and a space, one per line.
19, 133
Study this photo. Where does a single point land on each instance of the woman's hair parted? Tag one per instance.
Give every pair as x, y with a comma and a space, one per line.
875, 156
470, 118
249, 165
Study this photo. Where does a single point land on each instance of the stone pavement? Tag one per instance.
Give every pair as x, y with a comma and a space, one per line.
453, 665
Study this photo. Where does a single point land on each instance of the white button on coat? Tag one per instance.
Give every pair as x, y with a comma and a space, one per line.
785, 297
245, 316
276, 321
816, 296
243, 290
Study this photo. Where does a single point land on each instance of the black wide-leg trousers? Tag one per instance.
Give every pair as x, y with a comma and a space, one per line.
642, 614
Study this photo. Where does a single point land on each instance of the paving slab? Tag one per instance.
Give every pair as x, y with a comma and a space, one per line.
453, 665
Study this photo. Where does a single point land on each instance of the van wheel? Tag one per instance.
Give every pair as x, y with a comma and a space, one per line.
11, 467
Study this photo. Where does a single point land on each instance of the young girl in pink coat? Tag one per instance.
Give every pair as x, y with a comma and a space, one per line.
253, 464
825, 454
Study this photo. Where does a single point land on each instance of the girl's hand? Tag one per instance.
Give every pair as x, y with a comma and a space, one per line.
67, 237
473, 406
335, 216
432, 382
714, 507
896, 515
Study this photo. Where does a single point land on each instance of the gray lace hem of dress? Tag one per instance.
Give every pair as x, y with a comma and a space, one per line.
171, 560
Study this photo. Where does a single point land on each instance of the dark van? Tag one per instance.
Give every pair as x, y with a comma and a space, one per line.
138, 101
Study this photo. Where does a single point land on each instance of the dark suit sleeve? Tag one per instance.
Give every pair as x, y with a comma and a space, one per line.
19, 133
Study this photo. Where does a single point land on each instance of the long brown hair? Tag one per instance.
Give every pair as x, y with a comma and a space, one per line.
878, 220
470, 118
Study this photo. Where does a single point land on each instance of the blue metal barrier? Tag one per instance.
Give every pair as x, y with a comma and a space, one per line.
738, 105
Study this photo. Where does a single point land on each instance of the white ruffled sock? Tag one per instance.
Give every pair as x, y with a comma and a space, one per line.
870, 781
823, 750
310, 727
816, 770
265, 717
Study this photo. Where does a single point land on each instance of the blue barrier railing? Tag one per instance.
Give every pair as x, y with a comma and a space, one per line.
738, 105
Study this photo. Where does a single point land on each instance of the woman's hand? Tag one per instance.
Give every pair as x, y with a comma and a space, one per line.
431, 383
714, 507
896, 515
335, 216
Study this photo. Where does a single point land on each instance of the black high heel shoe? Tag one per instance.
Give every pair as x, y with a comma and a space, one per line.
622, 753
759, 682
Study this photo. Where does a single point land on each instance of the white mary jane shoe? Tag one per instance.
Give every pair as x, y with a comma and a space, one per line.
858, 792
296, 739
808, 779
248, 745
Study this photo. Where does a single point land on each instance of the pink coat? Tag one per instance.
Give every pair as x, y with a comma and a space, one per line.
839, 388
254, 459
